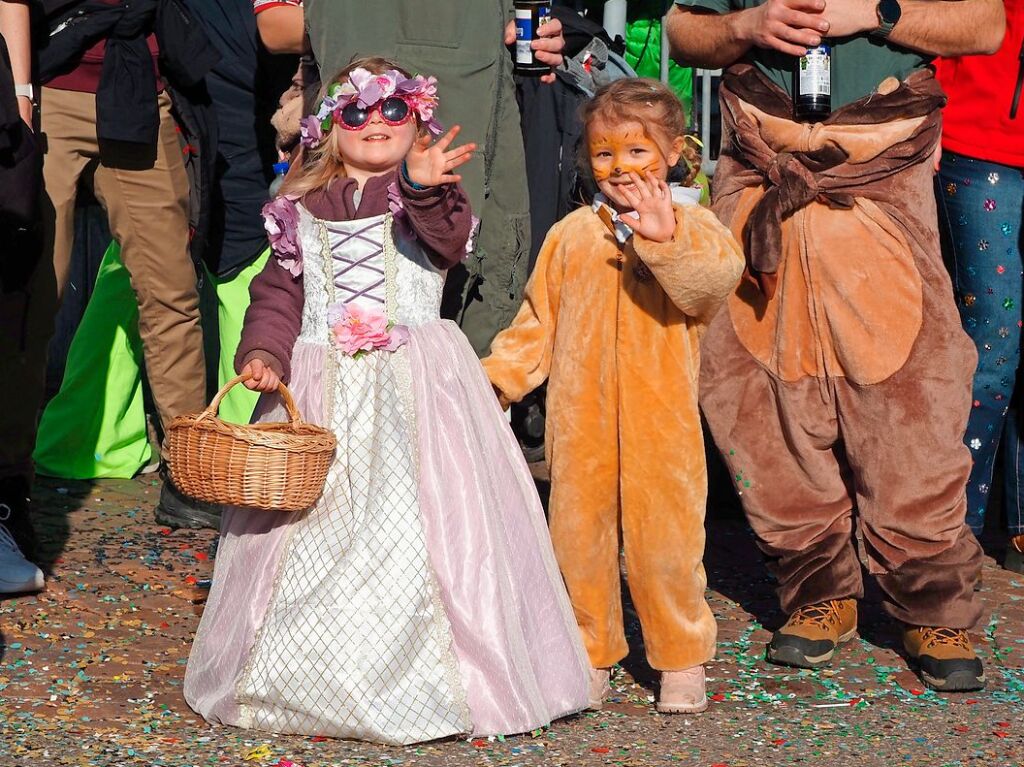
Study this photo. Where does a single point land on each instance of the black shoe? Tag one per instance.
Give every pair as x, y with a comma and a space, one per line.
944, 658
16, 516
1014, 561
528, 419
176, 510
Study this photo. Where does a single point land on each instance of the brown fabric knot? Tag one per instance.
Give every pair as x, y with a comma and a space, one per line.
820, 170
791, 186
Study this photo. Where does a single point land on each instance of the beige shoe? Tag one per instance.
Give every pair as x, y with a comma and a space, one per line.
682, 692
600, 688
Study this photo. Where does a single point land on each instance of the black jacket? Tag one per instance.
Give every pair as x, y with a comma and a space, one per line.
126, 101
19, 157
20, 180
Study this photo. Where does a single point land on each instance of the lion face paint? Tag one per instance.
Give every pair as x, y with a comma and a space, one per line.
617, 150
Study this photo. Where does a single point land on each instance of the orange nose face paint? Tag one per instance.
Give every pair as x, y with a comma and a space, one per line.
618, 150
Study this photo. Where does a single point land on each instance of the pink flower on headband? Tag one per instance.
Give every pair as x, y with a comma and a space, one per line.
371, 88
312, 133
365, 89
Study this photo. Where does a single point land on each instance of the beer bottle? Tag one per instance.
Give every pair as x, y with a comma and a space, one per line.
812, 84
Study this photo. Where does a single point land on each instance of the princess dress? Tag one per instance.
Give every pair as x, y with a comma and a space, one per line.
420, 597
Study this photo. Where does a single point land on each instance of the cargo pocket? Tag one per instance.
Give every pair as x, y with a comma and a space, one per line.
517, 246
440, 23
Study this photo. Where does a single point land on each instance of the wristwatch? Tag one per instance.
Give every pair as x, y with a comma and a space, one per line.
25, 90
889, 13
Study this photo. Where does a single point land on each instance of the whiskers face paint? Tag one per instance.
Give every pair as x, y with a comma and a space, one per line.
618, 150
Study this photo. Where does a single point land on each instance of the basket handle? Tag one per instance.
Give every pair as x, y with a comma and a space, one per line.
286, 397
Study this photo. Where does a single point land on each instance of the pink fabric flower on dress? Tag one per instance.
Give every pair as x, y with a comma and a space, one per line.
281, 220
359, 329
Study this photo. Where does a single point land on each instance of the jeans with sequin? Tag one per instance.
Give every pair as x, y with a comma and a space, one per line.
980, 221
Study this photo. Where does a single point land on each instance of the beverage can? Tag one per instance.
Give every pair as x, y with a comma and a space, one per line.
530, 15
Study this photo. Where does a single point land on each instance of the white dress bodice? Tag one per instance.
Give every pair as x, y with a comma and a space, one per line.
368, 261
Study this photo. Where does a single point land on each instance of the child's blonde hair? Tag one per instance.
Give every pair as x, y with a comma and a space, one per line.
650, 103
316, 167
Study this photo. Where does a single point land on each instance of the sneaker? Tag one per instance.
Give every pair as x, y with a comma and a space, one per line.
16, 516
176, 510
600, 687
811, 635
682, 692
945, 659
17, 574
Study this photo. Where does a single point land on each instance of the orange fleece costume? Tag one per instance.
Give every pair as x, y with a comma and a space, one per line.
619, 345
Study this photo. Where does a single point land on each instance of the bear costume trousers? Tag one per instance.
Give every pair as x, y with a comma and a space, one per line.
838, 381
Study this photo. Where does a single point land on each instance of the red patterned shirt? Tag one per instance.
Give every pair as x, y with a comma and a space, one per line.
258, 6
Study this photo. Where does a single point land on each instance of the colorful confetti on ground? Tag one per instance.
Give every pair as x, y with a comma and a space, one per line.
91, 670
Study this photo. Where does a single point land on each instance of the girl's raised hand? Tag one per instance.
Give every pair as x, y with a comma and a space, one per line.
430, 162
652, 202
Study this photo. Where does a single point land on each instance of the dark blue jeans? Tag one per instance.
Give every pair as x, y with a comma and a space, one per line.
980, 220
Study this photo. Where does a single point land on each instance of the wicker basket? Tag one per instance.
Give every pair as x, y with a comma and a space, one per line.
271, 466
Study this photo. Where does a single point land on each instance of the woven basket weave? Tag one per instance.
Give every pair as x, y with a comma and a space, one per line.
270, 466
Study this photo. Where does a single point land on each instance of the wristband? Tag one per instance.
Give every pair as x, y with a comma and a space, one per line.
25, 90
409, 181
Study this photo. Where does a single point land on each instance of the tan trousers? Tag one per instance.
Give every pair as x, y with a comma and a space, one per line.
144, 191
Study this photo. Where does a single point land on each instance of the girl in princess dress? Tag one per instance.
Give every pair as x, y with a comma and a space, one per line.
419, 598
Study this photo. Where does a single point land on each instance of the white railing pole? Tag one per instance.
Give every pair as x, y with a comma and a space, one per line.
615, 18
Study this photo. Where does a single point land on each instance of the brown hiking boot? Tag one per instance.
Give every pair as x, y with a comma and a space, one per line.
811, 635
944, 658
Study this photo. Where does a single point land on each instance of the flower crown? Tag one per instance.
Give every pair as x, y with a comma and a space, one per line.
366, 88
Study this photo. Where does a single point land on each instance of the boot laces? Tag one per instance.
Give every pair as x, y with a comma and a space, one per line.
823, 614
944, 636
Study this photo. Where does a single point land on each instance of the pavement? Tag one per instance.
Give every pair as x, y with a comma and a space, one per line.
91, 670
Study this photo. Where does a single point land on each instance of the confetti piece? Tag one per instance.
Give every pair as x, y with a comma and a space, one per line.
258, 752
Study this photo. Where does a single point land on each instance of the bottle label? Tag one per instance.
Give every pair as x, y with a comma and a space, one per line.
526, 33
816, 72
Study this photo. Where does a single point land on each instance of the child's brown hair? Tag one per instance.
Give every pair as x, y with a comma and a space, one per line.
650, 103
317, 167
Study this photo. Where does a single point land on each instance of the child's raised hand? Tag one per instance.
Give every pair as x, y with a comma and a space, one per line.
430, 162
652, 202
261, 376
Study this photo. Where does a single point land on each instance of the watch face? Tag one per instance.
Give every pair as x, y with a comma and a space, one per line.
889, 11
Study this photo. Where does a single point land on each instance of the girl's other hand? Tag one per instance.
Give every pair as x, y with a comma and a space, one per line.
651, 200
261, 376
430, 162
502, 399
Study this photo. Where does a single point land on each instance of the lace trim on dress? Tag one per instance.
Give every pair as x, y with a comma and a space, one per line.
330, 365
390, 269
